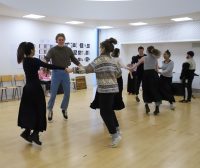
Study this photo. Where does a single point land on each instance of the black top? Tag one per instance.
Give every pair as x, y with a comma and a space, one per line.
32, 65
140, 68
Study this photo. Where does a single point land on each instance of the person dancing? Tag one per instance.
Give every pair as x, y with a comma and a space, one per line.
166, 79
150, 81
107, 73
32, 110
118, 99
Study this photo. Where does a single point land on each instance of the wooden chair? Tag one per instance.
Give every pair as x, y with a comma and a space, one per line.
2, 89
19, 82
7, 83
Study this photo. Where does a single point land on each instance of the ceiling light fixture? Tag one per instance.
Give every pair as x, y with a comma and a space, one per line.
138, 24
104, 27
33, 16
74, 22
109, 0
181, 19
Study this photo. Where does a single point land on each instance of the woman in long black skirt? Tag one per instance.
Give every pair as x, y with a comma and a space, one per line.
32, 110
118, 99
166, 79
150, 81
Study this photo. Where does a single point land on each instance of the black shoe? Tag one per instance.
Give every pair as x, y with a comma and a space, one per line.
156, 112
35, 138
26, 135
183, 101
50, 115
147, 108
137, 99
188, 101
65, 114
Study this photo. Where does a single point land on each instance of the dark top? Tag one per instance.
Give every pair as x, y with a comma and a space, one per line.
61, 56
32, 65
140, 68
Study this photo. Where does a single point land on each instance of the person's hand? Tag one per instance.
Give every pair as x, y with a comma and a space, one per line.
129, 65
69, 70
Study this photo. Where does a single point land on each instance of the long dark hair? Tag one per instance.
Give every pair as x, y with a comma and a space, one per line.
24, 50
108, 44
115, 52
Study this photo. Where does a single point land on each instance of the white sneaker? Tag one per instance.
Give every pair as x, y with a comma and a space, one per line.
172, 107
115, 141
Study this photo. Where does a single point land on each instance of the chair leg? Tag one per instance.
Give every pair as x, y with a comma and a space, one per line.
17, 93
1, 95
6, 95
13, 92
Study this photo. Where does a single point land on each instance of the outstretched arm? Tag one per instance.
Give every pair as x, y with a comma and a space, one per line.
132, 67
49, 66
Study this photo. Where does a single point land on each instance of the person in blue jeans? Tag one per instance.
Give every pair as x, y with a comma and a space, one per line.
60, 55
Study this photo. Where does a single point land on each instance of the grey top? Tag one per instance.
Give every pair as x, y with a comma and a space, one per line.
61, 56
150, 62
167, 68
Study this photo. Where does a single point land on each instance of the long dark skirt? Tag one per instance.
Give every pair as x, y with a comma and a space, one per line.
150, 86
166, 88
32, 110
118, 103
131, 85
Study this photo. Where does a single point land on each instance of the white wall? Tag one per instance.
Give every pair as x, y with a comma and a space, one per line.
13, 31
178, 38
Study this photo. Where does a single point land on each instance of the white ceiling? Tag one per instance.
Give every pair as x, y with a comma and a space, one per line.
117, 14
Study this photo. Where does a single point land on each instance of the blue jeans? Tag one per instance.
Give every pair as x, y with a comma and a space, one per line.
59, 77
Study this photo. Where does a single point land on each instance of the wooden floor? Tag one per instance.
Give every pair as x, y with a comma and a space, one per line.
170, 140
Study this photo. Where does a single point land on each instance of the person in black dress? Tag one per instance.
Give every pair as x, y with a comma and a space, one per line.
32, 110
166, 79
139, 72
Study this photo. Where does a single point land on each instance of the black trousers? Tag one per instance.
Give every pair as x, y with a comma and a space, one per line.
107, 113
187, 83
138, 82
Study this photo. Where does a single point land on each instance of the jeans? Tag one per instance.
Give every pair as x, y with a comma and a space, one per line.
59, 77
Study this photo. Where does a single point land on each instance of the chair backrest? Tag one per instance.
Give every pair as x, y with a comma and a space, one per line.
6, 79
19, 80
19, 77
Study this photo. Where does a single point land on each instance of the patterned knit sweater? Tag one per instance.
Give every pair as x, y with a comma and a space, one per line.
106, 71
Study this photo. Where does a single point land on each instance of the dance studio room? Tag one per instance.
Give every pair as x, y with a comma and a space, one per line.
99, 83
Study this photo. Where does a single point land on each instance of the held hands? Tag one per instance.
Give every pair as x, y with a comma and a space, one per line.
68, 70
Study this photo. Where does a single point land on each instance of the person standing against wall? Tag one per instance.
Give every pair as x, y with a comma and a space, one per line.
187, 76
60, 55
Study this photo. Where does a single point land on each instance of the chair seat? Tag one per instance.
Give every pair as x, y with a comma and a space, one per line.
11, 87
2, 88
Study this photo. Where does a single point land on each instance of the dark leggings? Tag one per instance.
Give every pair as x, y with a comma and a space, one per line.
107, 113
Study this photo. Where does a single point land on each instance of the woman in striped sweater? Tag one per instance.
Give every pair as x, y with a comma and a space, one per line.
107, 73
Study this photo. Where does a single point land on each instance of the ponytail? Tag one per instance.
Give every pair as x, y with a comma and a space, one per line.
23, 50
154, 51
